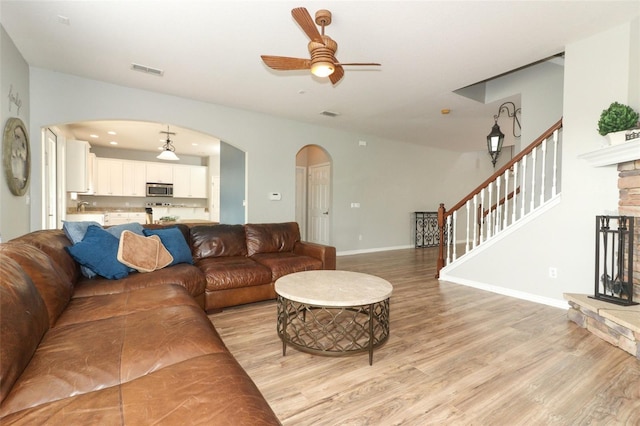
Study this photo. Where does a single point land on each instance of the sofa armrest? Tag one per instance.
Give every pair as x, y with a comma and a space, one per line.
327, 254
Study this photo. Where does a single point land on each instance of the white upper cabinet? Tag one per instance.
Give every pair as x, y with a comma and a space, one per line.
109, 176
189, 181
134, 174
77, 167
159, 173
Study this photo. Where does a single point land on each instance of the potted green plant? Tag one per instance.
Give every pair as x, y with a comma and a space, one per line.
615, 122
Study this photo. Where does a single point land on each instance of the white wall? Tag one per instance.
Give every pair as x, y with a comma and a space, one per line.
598, 71
14, 213
389, 179
540, 88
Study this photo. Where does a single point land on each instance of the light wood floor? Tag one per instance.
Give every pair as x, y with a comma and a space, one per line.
455, 355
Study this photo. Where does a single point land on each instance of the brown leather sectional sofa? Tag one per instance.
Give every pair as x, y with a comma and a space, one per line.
138, 350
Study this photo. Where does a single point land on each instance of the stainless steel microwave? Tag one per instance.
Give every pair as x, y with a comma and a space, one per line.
159, 190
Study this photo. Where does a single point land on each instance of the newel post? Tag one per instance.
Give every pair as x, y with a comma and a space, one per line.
441, 241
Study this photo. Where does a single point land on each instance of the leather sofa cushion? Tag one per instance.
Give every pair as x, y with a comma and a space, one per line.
23, 322
282, 264
52, 286
211, 389
271, 237
95, 308
188, 276
53, 242
217, 240
92, 355
233, 272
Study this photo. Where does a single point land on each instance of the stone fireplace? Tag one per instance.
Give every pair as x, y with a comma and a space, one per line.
629, 205
618, 325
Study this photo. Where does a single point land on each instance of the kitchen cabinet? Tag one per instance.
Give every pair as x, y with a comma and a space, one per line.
78, 166
85, 217
109, 176
189, 181
134, 178
159, 173
119, 218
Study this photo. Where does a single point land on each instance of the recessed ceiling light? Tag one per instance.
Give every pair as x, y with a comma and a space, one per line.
93, 136
111, 132
113, 143
64, 20
194, 144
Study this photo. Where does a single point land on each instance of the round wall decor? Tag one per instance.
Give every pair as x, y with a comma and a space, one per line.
16, 156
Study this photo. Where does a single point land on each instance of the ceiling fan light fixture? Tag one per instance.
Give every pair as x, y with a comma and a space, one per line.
322, 69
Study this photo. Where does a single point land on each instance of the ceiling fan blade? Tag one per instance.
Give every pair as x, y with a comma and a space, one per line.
302, 17
337, 75
373, 64
284, 63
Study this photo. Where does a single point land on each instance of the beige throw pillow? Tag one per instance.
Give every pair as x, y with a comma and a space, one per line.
144, 254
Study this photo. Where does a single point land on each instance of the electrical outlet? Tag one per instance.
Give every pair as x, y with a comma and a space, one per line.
359, 237
553, 272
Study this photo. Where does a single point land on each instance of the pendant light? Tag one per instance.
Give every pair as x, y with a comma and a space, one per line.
168, 150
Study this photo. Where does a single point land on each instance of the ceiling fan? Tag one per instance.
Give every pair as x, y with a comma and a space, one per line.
323, 62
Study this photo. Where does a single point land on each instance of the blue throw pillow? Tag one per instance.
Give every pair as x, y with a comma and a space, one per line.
75, 232
117, 230
173, 239
98, 251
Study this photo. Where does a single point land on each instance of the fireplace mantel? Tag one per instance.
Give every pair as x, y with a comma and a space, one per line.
614, 154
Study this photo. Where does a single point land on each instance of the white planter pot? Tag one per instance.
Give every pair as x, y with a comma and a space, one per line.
616, 138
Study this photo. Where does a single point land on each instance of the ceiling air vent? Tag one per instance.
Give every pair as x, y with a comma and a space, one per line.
330, 113
147, 70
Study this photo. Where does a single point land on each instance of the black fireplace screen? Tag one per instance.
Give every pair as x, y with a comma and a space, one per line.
614, 260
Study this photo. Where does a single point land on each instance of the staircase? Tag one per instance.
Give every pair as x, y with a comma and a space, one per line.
517, 191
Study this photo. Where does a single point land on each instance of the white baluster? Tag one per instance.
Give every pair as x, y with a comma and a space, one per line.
452, 236
533, 179
498, 206
555, 159
475, 221
543, 185
515, 193
466, 247
524, 186
489, 216
506, 199
449, 239
481, 222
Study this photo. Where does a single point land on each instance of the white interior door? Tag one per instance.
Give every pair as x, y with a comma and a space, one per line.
214, 208
301, 200
50, 220
319, 203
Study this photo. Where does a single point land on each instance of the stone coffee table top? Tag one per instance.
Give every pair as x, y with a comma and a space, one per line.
333, 288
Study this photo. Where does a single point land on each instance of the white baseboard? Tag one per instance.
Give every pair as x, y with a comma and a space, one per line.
556, 303
372, 250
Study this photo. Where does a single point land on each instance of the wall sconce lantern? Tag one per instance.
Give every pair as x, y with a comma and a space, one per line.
495, 139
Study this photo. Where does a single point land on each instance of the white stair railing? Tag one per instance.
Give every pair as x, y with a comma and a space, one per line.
526, 183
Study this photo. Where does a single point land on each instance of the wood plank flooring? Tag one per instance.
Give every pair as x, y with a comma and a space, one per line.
455, 356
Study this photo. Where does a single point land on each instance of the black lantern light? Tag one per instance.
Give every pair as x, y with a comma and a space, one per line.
495, 139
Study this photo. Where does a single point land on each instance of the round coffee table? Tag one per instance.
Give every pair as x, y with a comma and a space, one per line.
333, 312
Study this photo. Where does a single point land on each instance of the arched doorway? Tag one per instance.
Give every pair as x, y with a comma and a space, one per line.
313, 194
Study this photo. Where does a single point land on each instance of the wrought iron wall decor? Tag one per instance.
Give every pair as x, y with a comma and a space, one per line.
614, 260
